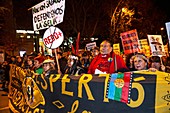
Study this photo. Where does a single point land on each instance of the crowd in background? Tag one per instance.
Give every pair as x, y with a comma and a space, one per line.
98, 60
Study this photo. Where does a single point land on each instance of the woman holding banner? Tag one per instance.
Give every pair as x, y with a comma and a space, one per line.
140, 62
49, 67
156, 64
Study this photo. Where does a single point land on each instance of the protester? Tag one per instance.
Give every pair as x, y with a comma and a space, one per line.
49, 67
30, 62
62, 62
95, 51
156, 64
18, 61
129, 61
74, 66
140, 62
6, 68
12, 60
85, 60
107, 61
168, 65
24, 64
38, 61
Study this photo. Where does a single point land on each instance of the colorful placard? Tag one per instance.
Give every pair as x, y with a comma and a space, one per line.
116, 48
130, 41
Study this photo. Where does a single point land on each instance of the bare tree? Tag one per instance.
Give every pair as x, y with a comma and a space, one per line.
82, 16
130, 14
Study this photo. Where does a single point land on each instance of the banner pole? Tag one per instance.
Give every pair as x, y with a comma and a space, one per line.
58, 66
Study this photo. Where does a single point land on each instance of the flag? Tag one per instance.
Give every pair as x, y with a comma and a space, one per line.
72, 48
119, 87
77, 43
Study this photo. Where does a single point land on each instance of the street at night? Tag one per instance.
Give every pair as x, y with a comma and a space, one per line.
84, 56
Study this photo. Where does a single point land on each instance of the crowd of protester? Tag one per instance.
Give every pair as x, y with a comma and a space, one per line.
96, 61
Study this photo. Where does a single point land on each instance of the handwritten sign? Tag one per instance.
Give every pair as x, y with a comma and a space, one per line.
53, 37
116, 48
130, 41
89, 46
156, 45
48, 13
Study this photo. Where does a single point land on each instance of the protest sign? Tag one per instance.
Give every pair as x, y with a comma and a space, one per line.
156, 44
48, 13
89, 46
130, 41
168, 29
53, 37
116, 48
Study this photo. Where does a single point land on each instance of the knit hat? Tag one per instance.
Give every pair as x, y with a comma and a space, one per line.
39, 58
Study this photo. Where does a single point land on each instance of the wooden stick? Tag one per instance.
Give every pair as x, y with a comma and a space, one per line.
58, 65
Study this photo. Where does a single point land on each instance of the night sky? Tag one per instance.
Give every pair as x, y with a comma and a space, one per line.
24, 17
163, 5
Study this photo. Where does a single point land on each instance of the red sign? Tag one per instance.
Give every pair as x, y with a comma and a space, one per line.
130, 41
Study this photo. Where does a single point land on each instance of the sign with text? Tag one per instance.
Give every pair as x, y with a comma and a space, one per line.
48, 13
89, 46
156, 44
53, 37
87, 93
116, 48
130, 41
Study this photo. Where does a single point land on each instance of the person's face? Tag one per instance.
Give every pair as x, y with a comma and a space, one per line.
19, 59
155, 65
29, 61
70, 62
46, 67
36, 63
105, 47
13, 59
95, 52
139, 63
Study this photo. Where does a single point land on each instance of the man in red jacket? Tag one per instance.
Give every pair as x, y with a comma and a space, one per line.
107, 62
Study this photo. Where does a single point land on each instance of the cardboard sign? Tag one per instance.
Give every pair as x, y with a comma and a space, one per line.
89, 46
156, 45
116, 48
53, 37
48, 13
130, 41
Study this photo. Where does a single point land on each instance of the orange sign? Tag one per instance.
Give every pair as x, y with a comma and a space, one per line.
130, 41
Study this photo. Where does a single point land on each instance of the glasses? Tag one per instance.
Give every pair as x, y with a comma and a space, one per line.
104, 46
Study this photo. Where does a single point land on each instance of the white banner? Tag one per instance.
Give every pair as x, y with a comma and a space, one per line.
156, 45
168, 29
89, 46
48, 13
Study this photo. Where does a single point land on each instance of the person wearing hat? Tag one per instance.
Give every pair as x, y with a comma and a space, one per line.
49, 67
38, 61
